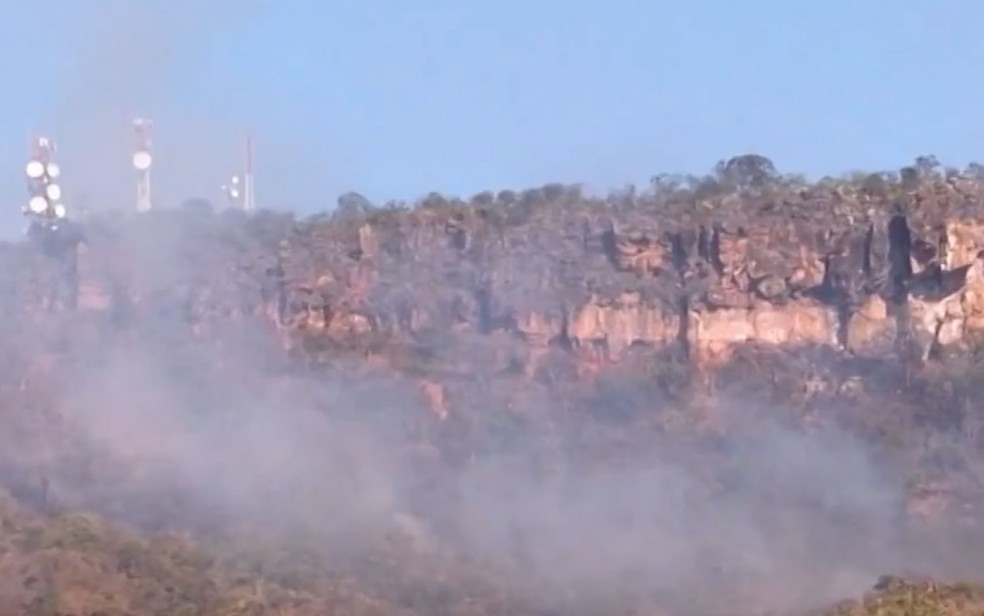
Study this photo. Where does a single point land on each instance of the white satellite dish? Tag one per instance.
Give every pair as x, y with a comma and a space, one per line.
35, 169
141, 160
60, 210
53, 170
53, 191
37, 205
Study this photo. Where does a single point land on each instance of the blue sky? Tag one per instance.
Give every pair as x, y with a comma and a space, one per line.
394, 99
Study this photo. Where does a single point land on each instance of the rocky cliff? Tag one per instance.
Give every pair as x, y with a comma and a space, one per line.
576, 333
870, 272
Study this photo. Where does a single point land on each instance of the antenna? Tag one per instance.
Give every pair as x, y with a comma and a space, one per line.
142, 161
44, 191
249, 196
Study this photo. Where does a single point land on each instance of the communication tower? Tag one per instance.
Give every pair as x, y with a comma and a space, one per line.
233, 192
239, 190
44, 203
142, 160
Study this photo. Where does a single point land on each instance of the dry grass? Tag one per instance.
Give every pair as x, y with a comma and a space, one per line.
899, 597
81, 565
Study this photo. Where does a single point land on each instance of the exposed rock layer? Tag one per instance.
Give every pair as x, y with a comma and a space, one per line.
786, 268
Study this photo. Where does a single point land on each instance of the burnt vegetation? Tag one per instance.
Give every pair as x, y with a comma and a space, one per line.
739, 393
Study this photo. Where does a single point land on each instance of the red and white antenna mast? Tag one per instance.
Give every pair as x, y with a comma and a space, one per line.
142, 160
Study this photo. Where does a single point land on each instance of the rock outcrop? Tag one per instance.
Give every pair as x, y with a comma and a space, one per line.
785, 266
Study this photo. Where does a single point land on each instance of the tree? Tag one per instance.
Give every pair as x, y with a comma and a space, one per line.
910, 177
975, 170
747, 171
553, 191
506, 197
483, 198
704, 187
927, 165
533, 196
875, 185
352, 206
353, 203
434, 200
666, 183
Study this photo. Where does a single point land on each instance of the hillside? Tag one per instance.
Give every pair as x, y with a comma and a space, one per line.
736, 394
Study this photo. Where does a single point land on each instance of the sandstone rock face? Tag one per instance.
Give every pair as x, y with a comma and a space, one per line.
618, 323
872, 328
713, 334
597, 279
